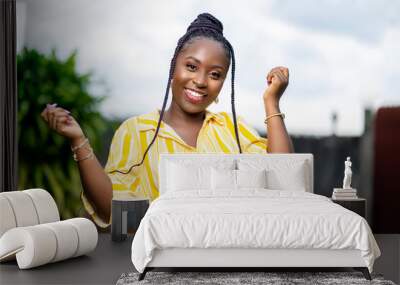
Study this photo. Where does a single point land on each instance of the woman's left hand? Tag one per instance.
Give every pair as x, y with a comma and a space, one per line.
278, 80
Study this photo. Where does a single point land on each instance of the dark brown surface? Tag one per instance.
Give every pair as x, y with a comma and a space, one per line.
8, 97
104, 265
386, 203
357, 206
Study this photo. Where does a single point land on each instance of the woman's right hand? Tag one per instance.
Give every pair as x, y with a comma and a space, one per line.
62, 122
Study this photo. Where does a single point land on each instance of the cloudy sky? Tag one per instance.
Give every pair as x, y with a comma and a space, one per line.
342, 54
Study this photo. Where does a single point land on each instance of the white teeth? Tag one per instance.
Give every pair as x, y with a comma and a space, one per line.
193, 93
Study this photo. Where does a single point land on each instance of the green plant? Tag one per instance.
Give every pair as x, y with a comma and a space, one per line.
45, 159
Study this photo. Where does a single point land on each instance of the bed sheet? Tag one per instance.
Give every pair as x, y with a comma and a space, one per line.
250, 218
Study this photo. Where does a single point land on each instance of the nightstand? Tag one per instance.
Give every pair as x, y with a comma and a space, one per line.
132, 208
358, 205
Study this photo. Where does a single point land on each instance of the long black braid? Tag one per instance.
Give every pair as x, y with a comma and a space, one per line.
205, 26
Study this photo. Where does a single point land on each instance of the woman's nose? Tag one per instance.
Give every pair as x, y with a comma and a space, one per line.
200, 80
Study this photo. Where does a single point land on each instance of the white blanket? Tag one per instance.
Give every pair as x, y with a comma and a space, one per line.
253, 218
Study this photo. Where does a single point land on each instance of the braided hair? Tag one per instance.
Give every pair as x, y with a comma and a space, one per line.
204, 26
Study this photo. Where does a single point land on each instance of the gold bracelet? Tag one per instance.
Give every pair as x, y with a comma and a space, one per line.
273, 115
90, 155
75, 148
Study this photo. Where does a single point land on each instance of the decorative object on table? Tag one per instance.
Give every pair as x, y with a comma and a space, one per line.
215, 278
347, 174
121, 209
347, 192
31, 231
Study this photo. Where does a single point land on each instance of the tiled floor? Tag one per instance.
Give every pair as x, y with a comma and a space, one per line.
388, 263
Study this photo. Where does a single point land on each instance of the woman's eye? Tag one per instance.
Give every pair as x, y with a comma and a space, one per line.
190, 66
215, 75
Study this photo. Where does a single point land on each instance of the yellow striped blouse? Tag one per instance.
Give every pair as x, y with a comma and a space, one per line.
131, 139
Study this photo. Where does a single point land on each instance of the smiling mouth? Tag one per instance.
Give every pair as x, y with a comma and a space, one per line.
193, 96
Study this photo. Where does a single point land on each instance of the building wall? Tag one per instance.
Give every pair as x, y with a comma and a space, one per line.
329, 156
386, 190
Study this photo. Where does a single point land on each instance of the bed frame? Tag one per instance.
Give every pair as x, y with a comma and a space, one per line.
244, 259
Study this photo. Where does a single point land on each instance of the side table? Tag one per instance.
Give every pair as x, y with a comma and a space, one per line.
358, 205
119, 220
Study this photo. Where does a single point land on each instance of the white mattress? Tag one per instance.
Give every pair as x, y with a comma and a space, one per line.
252, 218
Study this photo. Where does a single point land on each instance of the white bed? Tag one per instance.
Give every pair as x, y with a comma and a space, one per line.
200, 221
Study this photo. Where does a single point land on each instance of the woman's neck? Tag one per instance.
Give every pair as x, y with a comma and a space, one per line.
176, 116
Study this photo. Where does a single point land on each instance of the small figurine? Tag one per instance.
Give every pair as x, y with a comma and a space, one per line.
347, 174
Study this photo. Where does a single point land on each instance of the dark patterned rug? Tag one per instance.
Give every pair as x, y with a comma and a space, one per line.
229, 278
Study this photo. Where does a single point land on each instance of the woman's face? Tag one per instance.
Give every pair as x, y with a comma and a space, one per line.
200, 71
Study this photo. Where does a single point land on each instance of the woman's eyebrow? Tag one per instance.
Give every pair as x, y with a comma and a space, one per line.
198, 61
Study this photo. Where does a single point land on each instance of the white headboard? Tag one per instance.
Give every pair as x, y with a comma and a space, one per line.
214, 158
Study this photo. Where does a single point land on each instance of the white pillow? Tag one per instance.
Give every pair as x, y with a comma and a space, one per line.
251, 178
293, 179
228, 179
181, 177
282, 174
223, 179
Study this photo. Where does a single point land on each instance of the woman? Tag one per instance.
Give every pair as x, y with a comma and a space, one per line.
198, 70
